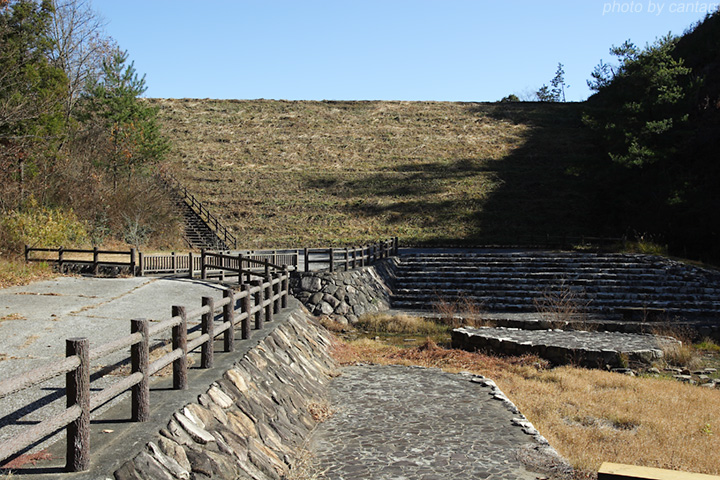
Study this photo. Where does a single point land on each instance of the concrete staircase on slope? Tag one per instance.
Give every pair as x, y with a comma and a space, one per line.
197, 233
511, 282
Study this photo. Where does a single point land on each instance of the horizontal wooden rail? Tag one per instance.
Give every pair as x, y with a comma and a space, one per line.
259, 301
61, 260
349, 257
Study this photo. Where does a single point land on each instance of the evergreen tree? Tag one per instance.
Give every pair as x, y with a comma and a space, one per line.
133, 142
31, 91
557, 92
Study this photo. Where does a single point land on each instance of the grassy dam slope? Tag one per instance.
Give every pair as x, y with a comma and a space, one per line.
288, 173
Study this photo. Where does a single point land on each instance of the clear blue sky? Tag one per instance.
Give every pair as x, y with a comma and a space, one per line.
450, 50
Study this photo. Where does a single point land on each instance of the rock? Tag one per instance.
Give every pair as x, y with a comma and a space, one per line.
174, 451
653, 370
311, 284
170, 464
326, 308
684, 378
342, 308
316, 298
220, 397
330, 289
332, 301
237, 379
196, 432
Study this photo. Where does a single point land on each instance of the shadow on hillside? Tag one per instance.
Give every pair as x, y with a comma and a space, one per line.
541, 188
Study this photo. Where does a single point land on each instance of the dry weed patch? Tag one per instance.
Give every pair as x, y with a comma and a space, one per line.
17, 272
405, 324
589, 416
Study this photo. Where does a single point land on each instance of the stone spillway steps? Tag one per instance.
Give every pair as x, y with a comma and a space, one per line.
517, 281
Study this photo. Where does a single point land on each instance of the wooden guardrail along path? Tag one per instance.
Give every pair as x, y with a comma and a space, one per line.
96, 258
254, 303
208, 264
350, 257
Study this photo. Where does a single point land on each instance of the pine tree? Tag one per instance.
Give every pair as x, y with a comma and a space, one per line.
133, 142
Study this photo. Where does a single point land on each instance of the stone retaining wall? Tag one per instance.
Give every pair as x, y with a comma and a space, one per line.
251, 423
346, 295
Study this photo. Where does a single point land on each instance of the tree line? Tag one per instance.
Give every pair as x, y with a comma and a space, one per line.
77, 141
656, 114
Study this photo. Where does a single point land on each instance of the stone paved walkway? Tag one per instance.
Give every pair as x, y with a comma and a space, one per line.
410, 423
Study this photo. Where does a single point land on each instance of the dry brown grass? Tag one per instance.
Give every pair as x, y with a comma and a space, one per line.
461, 312
17, 272
405, 324
589, 416
285, 173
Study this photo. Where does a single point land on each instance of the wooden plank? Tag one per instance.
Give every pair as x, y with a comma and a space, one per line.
617, 471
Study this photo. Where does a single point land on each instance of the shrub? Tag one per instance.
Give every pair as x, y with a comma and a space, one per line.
40, 226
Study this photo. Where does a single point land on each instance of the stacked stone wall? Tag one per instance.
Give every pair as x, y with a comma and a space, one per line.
346, 295
251, 423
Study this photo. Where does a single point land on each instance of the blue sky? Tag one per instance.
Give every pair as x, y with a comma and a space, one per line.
446, 50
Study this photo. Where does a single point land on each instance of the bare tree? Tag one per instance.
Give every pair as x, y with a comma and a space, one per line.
80, 45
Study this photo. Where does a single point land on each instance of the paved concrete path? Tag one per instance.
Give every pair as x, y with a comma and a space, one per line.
36, 319
403, 423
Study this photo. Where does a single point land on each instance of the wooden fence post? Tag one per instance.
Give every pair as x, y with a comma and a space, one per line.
347, 259
240, 268
285, 287
133, 261
203, 266
331, 252
229, 317
307, 259
191, 266
397, 247
27, 254
276, 292
362, 255
96, 267
179, 341
207, 350
77, 384
269, 298
140, 359
258, 304
247, 308
173, 260
60, 259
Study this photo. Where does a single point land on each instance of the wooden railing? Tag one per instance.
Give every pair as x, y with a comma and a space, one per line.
173, 263
208, 264
349, 257
211, 220
95, 258
257, 302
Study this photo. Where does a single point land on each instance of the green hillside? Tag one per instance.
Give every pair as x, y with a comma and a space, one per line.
283, 173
